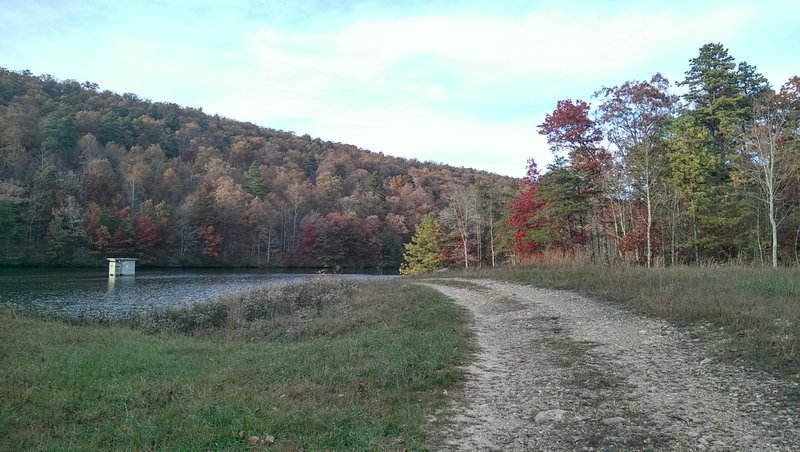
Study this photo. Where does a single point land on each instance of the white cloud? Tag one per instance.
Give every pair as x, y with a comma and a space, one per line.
416, 133
555, 43
362, 84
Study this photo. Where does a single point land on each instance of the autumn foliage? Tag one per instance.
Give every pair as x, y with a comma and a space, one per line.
524, 216
86, 174
645, 180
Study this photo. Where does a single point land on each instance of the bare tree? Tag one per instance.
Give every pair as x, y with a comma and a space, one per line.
460, 215
632, 114
769, 159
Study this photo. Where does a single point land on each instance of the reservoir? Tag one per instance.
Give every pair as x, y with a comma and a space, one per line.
91, 293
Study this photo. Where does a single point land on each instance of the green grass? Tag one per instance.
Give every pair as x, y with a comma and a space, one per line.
775, 286
753, 312
358, 370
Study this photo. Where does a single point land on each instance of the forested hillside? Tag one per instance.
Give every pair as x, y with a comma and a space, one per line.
87, 174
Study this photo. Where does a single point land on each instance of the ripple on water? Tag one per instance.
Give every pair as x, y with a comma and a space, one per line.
93, 294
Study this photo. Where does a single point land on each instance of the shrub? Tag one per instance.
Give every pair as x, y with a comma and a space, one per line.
251, 310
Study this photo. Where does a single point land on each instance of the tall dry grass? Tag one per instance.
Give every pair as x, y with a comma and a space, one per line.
755, 309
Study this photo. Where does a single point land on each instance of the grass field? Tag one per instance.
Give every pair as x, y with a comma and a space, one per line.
753, 312
327, 366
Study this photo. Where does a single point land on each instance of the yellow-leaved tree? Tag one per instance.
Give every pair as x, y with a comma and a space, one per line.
424, 251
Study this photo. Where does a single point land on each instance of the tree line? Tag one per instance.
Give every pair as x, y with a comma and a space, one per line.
649, 177
87, 174
653, 178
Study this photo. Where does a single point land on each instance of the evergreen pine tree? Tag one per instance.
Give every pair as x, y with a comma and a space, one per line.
253, 184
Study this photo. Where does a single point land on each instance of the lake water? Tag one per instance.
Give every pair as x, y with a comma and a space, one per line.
92, 293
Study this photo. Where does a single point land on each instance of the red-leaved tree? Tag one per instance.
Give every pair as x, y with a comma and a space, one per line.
523, 210
211, 240
146, 235
309, 243
570, 130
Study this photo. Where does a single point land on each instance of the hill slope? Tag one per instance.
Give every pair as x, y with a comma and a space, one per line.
86, 174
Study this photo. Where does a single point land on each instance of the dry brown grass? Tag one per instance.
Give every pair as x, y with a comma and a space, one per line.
324, 306
755, 310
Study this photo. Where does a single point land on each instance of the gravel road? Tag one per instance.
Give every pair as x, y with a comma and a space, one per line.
556, 371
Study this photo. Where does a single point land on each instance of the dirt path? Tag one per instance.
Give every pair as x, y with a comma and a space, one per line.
555, 371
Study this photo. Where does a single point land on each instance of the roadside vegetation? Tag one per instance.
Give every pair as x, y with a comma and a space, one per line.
327, 365
754, 312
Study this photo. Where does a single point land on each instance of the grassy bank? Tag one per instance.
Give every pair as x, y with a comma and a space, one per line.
353, 366
753, 312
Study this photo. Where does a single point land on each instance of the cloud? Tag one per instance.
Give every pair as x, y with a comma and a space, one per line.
549, 43
416, 133
398, 85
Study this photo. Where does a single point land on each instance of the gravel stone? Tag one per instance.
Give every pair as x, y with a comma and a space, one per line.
550, 416
613, 420
540, 348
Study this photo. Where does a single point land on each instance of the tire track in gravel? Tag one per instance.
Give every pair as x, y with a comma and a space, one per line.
556, 371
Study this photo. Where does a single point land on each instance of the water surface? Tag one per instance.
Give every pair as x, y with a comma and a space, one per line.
92, 293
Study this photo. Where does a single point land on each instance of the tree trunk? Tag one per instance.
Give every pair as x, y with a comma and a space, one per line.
673, 232
466, 257
649, 226
479, 240
491, 242
796, 242
617, 228
466, 251
294, 225
258, 249
133, 196
284, 234
694, 235
269, 243
491, 229
774, 229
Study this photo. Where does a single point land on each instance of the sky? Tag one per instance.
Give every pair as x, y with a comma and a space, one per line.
458, 82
